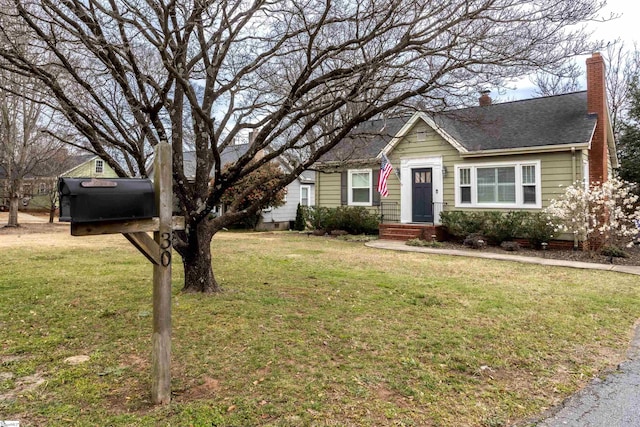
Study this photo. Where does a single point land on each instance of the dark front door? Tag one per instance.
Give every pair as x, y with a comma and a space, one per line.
422, 190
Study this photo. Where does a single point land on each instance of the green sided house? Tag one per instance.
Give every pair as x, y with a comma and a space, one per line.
509, 156
39, 189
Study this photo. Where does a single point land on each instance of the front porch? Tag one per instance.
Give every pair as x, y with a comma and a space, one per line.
397, 231
392, 229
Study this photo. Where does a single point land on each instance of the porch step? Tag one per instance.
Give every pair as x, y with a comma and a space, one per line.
409, 231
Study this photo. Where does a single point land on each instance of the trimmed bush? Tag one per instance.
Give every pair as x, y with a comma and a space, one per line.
299, 225
460, 224
537, 229
498, 227
352, 219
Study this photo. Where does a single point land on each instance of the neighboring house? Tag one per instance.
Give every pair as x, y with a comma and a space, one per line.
38, 190
78, 166
510, 156
229, 155
88, 166
301, 190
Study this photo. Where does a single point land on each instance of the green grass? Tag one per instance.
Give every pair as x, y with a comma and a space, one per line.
309, 331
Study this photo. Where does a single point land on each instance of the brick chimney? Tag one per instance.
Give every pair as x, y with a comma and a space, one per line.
597, 104
484, 99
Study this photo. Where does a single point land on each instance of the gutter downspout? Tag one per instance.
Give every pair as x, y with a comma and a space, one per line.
573, 165
573, 177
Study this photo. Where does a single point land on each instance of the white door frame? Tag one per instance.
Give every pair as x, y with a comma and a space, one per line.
406, 202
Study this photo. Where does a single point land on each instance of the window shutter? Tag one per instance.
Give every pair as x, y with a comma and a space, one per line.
344, 197
374, 187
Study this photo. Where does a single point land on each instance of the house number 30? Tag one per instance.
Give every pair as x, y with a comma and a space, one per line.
165, 246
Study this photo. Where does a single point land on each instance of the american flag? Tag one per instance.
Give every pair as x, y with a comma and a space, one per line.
385, 171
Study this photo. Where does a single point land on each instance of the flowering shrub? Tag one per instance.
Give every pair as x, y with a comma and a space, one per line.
607, 212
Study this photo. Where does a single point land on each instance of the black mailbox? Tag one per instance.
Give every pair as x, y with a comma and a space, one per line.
111, 199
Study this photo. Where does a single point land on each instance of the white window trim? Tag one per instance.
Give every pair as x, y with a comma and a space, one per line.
308, 188
101, 163
350, 187
585, 174
519, 204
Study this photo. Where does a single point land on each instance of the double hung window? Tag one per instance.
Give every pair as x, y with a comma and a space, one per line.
503, 185
360, 187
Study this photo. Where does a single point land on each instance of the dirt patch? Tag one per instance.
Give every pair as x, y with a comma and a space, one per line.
23, 385
34, 228
46, 234
26, 218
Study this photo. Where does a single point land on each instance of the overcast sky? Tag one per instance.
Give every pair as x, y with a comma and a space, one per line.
624, 27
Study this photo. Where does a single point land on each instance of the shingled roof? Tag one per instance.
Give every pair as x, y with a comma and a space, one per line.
229, 155
366, 140
527, 124
537, 122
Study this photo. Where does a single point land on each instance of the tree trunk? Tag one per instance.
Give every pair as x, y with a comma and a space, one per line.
196, 259
14, 204
52, 213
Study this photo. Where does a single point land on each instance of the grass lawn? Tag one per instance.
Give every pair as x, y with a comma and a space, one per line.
310, 331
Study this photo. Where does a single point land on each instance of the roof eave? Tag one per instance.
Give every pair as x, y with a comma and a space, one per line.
337, 164
410, 124
78, 165
526, 150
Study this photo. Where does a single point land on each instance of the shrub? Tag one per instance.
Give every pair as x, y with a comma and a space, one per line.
299, 225
613, 251
319, 217
352, 219
460, 224
510, 246
537, 229
475, 241
606, 212
499, 227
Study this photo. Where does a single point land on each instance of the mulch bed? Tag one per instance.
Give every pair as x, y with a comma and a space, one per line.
633, 254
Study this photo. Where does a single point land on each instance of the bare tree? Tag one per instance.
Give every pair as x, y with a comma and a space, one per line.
25, 150
299, 75
623, 66
556, 82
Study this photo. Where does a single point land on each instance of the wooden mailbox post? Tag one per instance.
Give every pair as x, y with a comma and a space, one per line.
158, 251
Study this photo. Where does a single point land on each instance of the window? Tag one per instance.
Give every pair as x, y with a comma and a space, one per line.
500, 185
304, 195
465, 185
360, 187
496, 185
99, 166
529, 184
42, 188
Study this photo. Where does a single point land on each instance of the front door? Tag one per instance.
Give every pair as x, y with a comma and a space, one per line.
422, 191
